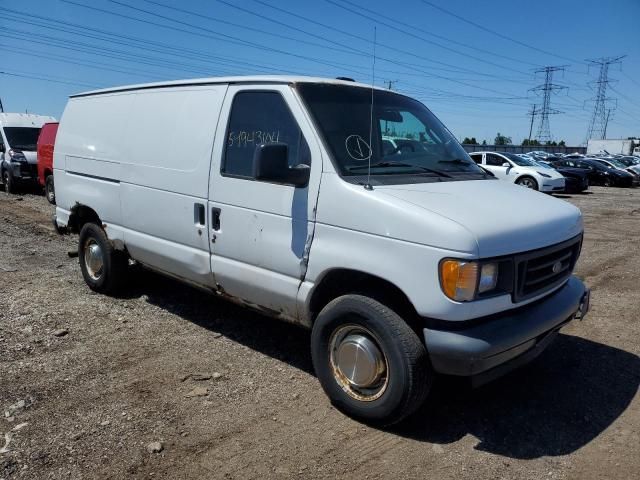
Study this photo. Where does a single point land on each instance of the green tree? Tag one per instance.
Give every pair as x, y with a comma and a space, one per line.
469, 141
484, 142
502, 140
562, 143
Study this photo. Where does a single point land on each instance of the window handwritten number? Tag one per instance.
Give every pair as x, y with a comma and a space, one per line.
252, 138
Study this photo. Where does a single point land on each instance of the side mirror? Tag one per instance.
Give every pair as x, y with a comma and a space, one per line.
506, 164
270, 164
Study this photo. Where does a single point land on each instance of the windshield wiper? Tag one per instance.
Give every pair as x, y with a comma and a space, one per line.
459, 161
400, 164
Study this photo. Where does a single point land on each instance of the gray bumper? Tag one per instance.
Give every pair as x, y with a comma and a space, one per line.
495, 345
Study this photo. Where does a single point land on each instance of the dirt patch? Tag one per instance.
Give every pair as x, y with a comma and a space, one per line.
170, 382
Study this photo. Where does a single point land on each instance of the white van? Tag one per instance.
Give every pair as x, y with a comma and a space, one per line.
257, 189
18, 138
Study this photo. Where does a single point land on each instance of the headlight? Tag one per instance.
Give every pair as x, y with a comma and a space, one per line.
17, 156
544, 175
462, 281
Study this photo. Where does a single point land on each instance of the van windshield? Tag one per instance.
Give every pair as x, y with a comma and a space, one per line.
22, 138
399, 137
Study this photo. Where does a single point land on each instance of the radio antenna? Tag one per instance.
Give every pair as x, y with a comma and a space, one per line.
373, 81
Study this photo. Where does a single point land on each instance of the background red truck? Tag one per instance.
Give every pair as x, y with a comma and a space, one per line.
46, 141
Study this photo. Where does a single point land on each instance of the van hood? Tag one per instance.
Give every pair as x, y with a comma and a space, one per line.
32, 157
504, 218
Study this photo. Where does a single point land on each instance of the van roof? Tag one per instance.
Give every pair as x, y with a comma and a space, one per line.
24, 120
257, 79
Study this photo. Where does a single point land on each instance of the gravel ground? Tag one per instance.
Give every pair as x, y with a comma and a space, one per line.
169, 382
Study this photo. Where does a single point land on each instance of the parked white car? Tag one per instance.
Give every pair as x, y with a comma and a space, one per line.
521, 171
18, 138
267, 191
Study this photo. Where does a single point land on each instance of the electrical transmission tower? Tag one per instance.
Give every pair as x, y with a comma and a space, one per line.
599, 119
546, 90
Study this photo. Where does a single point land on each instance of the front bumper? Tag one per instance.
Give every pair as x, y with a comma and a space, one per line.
494, 345
552, 185
24, 171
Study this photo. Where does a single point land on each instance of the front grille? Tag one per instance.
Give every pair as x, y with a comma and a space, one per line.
541, 270
28, 169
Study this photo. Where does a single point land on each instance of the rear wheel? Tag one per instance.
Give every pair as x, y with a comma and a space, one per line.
371, 365
49, 190
103, 267
528, 182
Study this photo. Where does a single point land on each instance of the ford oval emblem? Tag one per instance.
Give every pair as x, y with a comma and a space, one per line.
556, 267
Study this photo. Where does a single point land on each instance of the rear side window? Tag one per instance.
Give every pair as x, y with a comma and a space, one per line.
260, 118
495, 160
476, 157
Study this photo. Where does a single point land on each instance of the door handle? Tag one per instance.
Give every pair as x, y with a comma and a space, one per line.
215, 218
198, 214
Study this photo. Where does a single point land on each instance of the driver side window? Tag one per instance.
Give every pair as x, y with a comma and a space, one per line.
259, 117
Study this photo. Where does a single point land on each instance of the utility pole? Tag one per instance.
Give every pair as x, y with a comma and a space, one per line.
543, 134
606, 124
1, 106
599, 119
386, 122
532, 113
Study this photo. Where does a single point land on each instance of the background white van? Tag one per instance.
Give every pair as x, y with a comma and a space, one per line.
18, 138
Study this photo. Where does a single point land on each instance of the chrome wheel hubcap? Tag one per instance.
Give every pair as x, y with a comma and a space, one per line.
93, 259
359, 365
527, 183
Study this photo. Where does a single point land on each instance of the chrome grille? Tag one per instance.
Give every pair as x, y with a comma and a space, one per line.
541, 270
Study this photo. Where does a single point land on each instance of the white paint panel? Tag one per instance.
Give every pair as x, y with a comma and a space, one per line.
101, 195
170, 148
104, 169
168, 256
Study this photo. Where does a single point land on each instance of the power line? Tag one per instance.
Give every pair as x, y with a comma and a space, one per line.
260, 47
135, 42
597, 124
493, 32
403, 31
211, 34
45, 79
431, 34
452, 68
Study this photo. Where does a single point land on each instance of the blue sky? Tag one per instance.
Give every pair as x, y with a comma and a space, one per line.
477, 81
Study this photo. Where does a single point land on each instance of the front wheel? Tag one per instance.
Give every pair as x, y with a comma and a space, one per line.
103, 267
49, 190
528, 182
8, 181
371, 365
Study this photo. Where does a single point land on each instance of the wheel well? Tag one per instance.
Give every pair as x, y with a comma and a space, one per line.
340, 282
47, 172
526, 175
81, 214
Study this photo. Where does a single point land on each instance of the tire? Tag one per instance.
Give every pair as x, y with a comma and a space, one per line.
9, 183
407, 377
607, 182
103, 268
528, 182
49, 190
